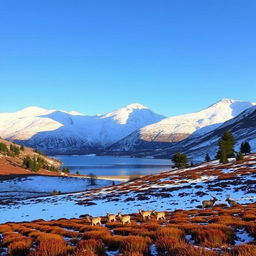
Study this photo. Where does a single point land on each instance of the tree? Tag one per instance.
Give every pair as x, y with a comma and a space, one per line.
239, 156
207, 158
3, 147
180, 160
226, 147
92, 179
245, 147
66, 170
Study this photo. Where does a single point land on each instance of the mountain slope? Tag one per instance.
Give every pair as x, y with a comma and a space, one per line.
178, 128
242, 127
55, 131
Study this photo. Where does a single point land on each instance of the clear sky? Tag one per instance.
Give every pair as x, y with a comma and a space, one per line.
94, 56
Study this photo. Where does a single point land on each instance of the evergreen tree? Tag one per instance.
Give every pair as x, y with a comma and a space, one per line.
245, 147
207, 158
226, 147
3, 147
180, 160
223, 157
239, 156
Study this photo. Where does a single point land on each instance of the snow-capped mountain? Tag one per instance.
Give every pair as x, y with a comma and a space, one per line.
196, 147
178, 128
54, 131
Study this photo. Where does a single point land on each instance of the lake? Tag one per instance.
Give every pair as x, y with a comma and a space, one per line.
113, 166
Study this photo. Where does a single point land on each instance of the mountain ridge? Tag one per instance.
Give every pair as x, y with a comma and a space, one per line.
131, 129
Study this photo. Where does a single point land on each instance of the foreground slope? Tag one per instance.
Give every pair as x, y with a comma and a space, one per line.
219, 231
187, 230
175, 189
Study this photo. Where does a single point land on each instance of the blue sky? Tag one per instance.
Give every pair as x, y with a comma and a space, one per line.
175, 56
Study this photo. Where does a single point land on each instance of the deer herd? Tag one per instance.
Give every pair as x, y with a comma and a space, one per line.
147, 215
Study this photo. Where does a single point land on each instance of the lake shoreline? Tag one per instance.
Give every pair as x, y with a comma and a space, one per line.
122, 178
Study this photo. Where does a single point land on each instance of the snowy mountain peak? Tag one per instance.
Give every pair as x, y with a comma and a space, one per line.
123, 115
136, 106
75, 113
32, 111
227, 100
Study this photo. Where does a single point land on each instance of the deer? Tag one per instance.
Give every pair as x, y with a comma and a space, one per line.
231, 202
124, 219
159, 215
145, 214
94, 220
209, 203
111, 217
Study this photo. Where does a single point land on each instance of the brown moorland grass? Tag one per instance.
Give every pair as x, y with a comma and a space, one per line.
20, 247
91, 247
244, 250
212, 228
53, 247
135, 244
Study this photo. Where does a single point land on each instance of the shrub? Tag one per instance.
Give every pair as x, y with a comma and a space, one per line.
55, 192
90, 247
113, 242
52, 247
11, 237
169, 232
210, 237
20, 248
244, 250
189, 250
96, 234
135, 244
167, 244
5, 229
252, 229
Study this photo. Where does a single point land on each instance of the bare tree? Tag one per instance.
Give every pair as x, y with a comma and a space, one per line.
92, 179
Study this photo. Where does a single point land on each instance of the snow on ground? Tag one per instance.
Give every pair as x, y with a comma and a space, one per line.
166, 191
243, 237
38, 186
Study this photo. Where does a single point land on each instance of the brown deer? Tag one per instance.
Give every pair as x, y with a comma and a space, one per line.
145, 214
159, 215
124, 219
94, 220
209, 203
231, 202
111, 217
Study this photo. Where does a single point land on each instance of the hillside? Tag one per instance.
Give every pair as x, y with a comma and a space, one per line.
187, 229
11, 161
171, 190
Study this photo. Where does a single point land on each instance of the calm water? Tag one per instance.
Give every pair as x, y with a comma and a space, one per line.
107, 165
